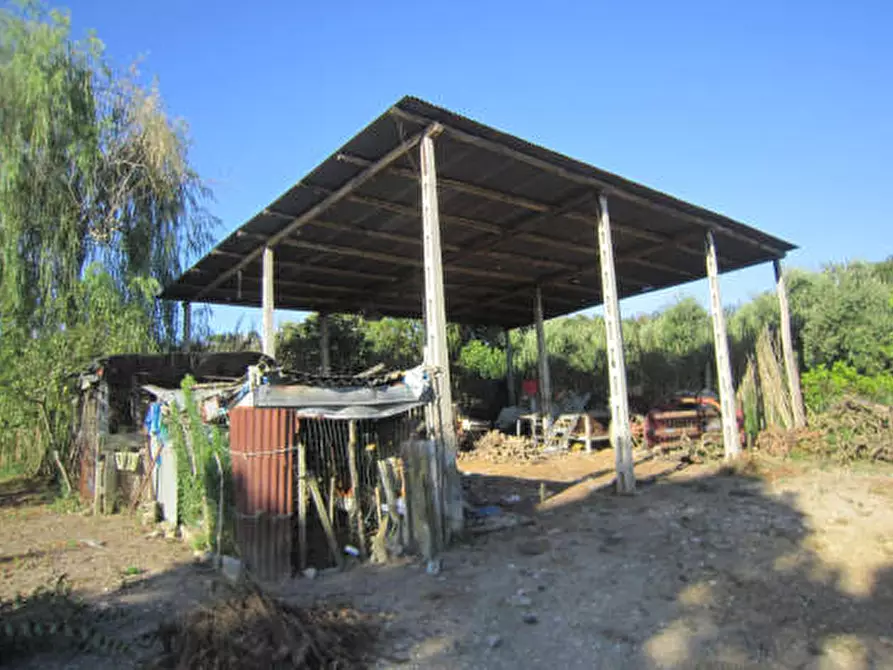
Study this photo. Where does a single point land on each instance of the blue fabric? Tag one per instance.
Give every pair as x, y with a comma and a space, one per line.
152, 421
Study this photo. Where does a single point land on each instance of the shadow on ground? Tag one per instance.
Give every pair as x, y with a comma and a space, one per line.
701, 569
691, 572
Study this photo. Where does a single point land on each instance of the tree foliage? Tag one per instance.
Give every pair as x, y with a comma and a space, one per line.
98, 207
842, 321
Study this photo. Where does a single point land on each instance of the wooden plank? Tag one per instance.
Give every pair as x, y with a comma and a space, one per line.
325, 204
621, 435
302, 506
587, 422
356, 513
332, 481
325, 520
787, 345
731, 438
378, 504
268, 301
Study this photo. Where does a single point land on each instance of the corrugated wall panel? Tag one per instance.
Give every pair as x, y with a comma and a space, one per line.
262, 443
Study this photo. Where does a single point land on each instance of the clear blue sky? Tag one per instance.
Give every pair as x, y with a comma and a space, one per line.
776, 113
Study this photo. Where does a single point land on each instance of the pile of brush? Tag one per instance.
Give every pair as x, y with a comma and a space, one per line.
497, 447
851, 430
249, 629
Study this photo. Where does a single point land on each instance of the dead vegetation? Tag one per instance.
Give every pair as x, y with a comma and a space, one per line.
852, 430
249, 629
497, 447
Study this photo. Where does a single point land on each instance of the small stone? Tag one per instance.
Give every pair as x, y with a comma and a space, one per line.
521, 601
530, 618
310, 573
533, 547
401, 656
494, 641
434, 566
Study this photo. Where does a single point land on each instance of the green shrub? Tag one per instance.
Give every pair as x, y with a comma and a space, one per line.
198, 446
822, 387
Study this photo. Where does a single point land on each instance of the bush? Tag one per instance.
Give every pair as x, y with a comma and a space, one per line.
823, 387
198, 446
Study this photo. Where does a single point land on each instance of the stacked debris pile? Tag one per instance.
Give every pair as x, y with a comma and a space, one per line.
497, 447
851, 430
249, 629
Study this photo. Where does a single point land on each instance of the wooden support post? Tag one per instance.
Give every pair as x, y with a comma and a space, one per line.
325, 365
436, 358
331, 498
187, 326
731, 438
325, 520
302, 506
356, 511
787, 345
542, 360
268, 302
378, 504
510, 368
587, 422
621, 433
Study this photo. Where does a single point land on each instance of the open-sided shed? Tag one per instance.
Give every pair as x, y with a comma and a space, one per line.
509, 232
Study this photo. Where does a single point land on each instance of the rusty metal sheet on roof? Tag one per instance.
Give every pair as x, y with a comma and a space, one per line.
513, 216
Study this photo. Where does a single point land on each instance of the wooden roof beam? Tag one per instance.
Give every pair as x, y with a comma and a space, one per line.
518, 201
322, 206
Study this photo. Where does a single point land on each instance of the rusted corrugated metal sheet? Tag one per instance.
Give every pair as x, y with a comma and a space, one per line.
262, 443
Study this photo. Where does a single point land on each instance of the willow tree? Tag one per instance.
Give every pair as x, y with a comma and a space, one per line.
98, 207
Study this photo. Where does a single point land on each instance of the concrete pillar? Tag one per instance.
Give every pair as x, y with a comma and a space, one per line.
436, 349
268, 334
621, 433
730, 435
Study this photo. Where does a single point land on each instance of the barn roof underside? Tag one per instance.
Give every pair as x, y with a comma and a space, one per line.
513, 216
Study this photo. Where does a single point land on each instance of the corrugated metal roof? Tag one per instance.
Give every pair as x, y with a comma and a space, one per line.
513, 215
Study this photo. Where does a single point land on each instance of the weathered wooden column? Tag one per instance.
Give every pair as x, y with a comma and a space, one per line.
325, 364
542, 361
510, 368
621, 433
187, 326
268, 334
730, 437
437, 359
787, 345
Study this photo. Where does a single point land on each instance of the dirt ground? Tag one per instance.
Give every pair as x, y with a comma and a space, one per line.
785, 564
